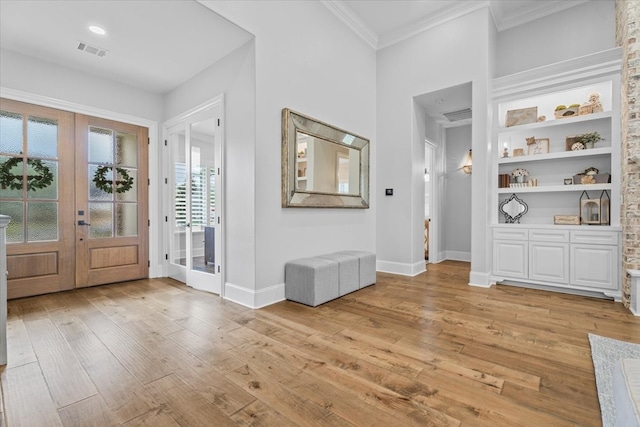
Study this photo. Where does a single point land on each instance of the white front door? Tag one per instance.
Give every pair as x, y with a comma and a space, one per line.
194, 225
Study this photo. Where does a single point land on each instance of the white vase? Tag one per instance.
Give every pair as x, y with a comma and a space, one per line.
520, 179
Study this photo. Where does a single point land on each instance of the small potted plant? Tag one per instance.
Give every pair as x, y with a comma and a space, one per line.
519, 175
589, 139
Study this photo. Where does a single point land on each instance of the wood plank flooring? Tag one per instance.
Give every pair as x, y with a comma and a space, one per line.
422, 351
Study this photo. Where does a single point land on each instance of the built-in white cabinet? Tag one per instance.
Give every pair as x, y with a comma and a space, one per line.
566, 258
528, 134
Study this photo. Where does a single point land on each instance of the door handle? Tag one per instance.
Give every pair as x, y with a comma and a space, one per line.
81, 222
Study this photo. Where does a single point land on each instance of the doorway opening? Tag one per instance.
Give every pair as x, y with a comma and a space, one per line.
442, 126
194, 248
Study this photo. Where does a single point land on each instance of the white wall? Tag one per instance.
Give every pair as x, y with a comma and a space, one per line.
309, 61
423, 64
27, 74
456, 227
234, 76
574, 32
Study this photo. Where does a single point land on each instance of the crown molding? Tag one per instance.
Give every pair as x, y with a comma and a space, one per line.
530, 12
588, 66
353, 21
446, 14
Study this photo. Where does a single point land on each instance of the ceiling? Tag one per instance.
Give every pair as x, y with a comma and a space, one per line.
147, 47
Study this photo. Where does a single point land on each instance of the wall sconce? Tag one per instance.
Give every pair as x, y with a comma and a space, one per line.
467, 165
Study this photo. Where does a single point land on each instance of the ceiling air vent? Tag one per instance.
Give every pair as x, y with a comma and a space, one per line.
93, 50
455, 116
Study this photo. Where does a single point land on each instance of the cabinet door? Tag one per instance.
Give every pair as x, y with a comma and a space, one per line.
510, 259
549, 262
594, 266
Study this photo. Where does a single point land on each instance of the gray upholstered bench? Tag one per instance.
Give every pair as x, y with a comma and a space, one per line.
314, 281
367, 267
311, 281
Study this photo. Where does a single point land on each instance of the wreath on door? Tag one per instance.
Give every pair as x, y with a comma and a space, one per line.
41, 179
123, 183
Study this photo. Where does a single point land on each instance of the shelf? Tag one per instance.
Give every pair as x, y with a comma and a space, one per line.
556, 188
555, 122
302, 178
558, 155
302, 160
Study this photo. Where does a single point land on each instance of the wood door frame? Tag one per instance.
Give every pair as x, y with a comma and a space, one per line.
156, 249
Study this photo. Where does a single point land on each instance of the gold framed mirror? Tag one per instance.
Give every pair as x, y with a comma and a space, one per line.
322, 166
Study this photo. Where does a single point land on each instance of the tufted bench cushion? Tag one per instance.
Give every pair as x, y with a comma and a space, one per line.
367, 266
311, 281
348, 271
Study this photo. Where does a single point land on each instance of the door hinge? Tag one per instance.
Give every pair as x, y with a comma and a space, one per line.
218, 122
148, 181
166, 256
218, 171
148, 141
166, 218
166, 180
218, 219
218, 269
165, 142
148, 263
149, 222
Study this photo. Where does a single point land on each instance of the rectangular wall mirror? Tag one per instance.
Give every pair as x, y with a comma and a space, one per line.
322, 166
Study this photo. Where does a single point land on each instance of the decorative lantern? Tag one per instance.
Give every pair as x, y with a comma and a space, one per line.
595, 211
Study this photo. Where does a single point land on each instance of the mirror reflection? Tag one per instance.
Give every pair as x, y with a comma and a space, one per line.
513, 209
326, 167
322, 166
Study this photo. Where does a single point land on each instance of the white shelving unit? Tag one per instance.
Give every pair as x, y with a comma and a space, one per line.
535, 252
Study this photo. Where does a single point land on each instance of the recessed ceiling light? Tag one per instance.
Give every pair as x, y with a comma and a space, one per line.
97, 30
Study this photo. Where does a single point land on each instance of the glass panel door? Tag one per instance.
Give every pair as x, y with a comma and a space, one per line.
36, 183
178, 222
195, 244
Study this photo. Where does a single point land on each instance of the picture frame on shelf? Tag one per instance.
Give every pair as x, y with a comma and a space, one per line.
538, 146
517, 152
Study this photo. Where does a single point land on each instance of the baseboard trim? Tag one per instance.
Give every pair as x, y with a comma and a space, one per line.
457, 256
403, 269
254, 299
480, 280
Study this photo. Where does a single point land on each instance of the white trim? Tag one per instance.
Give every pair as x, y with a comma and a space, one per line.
176, 121
457, 256
634, 298
401, 268
351, 20
442, 16
529, 12
254, 299
480, 280
154, 171
588, 66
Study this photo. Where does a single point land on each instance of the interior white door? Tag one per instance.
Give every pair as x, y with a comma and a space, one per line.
195, 242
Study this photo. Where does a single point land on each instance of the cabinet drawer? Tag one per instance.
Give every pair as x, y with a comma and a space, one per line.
513, 234
560, 236
595, 237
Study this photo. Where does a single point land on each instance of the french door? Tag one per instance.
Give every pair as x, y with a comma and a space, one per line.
75, 188
195, 232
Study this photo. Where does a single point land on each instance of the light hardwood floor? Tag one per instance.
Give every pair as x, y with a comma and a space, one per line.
420, 351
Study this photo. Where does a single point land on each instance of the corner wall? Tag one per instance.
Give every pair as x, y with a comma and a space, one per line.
309, 61
234, 75
422, 64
